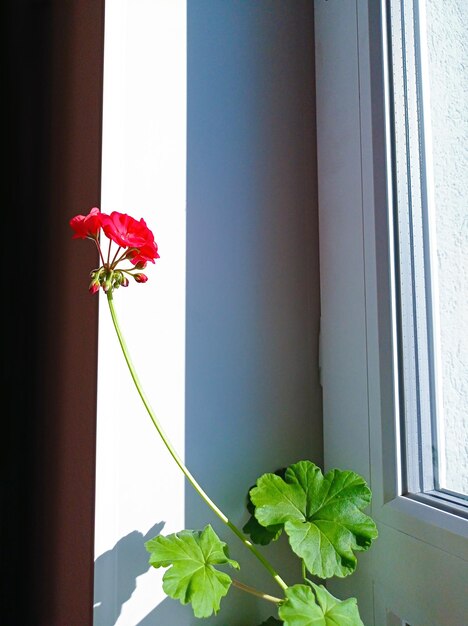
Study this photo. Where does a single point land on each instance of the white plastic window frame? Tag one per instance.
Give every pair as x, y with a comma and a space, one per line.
362, 421
361, 425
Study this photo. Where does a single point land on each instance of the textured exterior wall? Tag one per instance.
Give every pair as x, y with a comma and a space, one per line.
447, 37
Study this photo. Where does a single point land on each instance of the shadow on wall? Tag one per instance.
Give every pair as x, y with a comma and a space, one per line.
170, 611
116, 572
115, 585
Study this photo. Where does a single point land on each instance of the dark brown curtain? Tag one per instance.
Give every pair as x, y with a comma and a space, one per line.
52, 61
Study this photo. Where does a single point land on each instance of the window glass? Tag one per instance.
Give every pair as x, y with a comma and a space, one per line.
447, 63
429, 120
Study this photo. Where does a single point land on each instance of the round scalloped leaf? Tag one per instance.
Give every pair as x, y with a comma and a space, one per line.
191, 577
303, 608
321, 515
262, 535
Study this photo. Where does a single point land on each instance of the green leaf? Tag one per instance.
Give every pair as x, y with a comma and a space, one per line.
337, 612
321, 515
259, 534
304, 608
191, 577
300, 608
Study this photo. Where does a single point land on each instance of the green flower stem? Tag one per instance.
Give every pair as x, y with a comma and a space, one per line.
255, 592
176, 457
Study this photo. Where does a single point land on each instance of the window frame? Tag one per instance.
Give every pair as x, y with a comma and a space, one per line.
358, 330
415, 282
376, 286
398, 499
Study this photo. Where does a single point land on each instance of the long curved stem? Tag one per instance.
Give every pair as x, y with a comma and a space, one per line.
176, 457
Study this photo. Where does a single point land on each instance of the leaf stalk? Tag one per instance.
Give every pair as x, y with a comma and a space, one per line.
255, 592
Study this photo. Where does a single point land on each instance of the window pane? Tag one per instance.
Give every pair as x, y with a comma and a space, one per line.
447, 64
429, 133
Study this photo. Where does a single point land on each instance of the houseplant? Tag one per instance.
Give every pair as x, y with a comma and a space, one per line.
321, 515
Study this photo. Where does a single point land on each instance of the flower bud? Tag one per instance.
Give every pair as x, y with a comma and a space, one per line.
95, 283
140, 278
108, 283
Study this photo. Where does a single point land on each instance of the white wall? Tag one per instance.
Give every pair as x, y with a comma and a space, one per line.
139, 492
252, 401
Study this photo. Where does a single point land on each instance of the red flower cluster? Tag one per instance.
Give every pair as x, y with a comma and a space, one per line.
131, 235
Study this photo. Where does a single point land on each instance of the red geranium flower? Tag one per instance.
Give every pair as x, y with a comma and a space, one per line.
132, 235
87, 225
147, 252
126, 231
